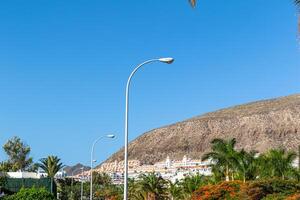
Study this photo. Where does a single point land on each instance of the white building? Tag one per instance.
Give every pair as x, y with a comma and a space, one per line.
169, 169
34, 175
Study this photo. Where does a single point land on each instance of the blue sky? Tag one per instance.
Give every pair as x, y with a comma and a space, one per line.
64, 65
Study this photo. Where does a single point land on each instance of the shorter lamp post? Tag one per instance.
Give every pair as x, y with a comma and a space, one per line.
81, 168
92, 161
81, 188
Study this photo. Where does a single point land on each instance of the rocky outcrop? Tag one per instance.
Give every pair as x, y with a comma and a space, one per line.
256, 126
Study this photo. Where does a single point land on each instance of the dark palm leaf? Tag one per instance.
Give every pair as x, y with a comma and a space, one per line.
193, 2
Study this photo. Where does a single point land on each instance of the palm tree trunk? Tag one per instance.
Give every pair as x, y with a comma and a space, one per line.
52, 185
299, 157
227, 173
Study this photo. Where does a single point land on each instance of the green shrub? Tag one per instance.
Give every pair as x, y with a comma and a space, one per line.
31, 194
275, 197
261, 189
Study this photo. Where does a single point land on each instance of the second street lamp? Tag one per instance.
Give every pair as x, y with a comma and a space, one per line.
92, 160
163, 60
81, 168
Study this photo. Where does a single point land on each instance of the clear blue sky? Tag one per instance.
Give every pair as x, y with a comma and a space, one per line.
64, 65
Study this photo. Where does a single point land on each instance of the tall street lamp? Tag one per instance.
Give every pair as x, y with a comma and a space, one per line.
92, 160
163, 60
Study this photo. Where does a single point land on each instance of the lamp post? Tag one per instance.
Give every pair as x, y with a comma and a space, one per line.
163, 60
92, 160
81, 188
81, 168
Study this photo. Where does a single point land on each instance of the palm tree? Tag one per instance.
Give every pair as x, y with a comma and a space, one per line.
190, 184
101, 179
193, 2
135, 191
223, 155
175, 191
154, 186
51, 165
246, 165
277, 163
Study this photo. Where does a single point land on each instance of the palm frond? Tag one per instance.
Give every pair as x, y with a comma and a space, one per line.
193, 3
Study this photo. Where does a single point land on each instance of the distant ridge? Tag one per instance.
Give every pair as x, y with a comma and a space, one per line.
258, 125
76, 169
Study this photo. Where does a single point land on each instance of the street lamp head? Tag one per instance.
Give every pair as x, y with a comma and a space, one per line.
110, 136
166, 60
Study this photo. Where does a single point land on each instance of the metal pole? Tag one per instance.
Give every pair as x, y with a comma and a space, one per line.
126, 127
72, 185
91, 171
81, 189
92, 155
72, 179
91, 175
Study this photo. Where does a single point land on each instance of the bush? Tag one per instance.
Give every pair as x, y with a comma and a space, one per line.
274, 189
31, 194
224, 190
293, 197
275, 197
260, 189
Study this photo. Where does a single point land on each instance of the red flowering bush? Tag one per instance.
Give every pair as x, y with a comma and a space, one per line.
294, 197
224, 190
273, 189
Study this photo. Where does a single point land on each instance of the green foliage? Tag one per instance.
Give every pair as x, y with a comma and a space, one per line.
101, 179
276, 163
70, 192
153, 186
223, 155
3, 180
191, 183
175, 191
110, 192
51, 165
243, 165
18, 154
275, 197
263, 188
31, 194
246, 165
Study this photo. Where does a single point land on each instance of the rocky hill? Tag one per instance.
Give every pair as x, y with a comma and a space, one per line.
76, 169
259, 125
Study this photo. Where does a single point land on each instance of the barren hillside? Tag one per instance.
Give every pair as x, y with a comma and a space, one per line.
259, 125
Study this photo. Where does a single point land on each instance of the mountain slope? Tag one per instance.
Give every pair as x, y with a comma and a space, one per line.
76, 169
259, 125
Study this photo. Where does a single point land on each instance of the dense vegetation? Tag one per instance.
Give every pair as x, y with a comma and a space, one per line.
18, 154
31, 194
237, 174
